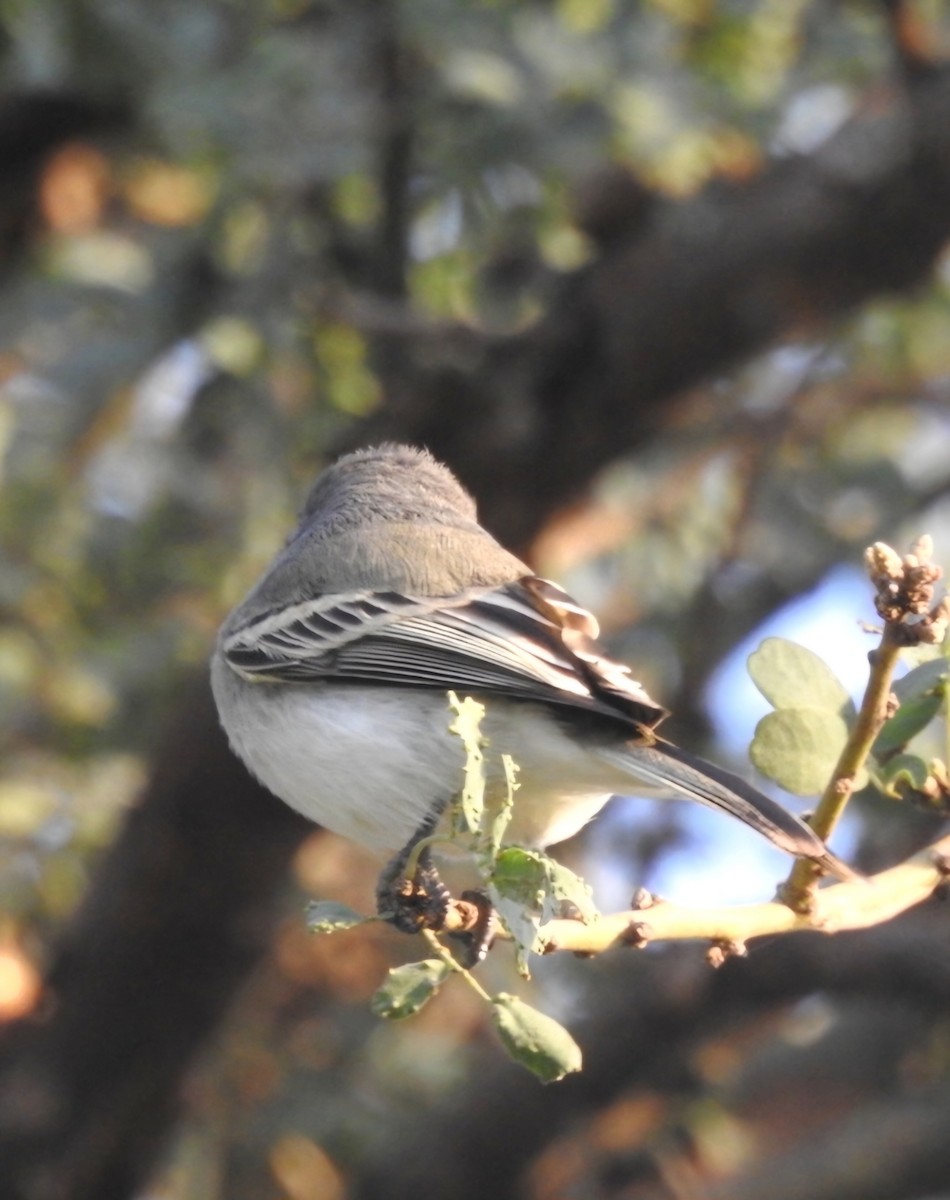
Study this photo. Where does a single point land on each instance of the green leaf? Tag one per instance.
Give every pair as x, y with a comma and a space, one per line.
536, 1041
929, 678
522, 924
537, 881
901, 772
566, 885
502, 818
516, 888
789, 676
467, 725
526, 887
920, 693
799, 748
521, 875
912, 716
408, 988
327, 916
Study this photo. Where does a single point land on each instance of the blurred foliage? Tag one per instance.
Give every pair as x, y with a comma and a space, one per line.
192, 312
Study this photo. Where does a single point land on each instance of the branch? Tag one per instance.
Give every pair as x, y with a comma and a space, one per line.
640, 1023
903, 599
853, 905
798, 891
393, 79
708, 282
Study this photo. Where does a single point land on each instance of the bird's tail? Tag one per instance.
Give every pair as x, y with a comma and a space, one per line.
665, 766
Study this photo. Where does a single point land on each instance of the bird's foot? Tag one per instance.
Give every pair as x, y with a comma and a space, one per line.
421, 901
416, 902
410, 894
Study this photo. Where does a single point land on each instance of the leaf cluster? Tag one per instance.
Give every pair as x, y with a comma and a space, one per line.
799, 744
526, 888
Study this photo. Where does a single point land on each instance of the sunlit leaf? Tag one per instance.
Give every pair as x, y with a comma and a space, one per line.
516, 889
799, 748
24, 806
790, 676
468, 726
536, 1041
500, 821
585, 16
521, 875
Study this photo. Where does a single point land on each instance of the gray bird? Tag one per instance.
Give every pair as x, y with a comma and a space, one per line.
331, 676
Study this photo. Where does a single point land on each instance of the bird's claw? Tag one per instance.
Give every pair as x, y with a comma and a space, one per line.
422, 901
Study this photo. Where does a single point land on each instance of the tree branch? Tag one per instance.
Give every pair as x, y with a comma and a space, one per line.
708, 282
181, 909
854, 905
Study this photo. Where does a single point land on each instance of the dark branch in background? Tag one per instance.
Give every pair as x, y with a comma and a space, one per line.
389, 249
709, 282
391, 76
179, 913
180, 909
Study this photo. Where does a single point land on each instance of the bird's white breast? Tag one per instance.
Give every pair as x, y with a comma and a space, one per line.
372, 763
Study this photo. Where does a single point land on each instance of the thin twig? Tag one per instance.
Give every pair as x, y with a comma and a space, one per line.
904, 595
454, 965
797, 892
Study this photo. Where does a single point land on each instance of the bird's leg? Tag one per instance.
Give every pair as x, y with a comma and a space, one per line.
422, 901
419, 902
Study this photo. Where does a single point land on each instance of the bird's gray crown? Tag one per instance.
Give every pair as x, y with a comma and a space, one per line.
387, 483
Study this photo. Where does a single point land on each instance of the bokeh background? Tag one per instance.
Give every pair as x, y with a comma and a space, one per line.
665, 283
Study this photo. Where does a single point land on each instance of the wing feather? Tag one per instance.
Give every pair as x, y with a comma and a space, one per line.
527, 640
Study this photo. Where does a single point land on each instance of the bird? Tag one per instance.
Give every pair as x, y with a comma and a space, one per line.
331, 679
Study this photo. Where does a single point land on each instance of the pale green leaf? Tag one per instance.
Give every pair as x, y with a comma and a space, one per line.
522, 925
790, 676
536, 1041
498, 825
467, 725
799, 748
516, 889
527, 888
566, 885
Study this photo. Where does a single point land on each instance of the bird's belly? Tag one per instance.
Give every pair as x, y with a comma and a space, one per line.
355, 760
371, 764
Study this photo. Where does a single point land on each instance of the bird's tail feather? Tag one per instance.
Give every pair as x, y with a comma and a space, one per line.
667, 766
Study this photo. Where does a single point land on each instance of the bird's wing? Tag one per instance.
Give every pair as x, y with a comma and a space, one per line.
527, 640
